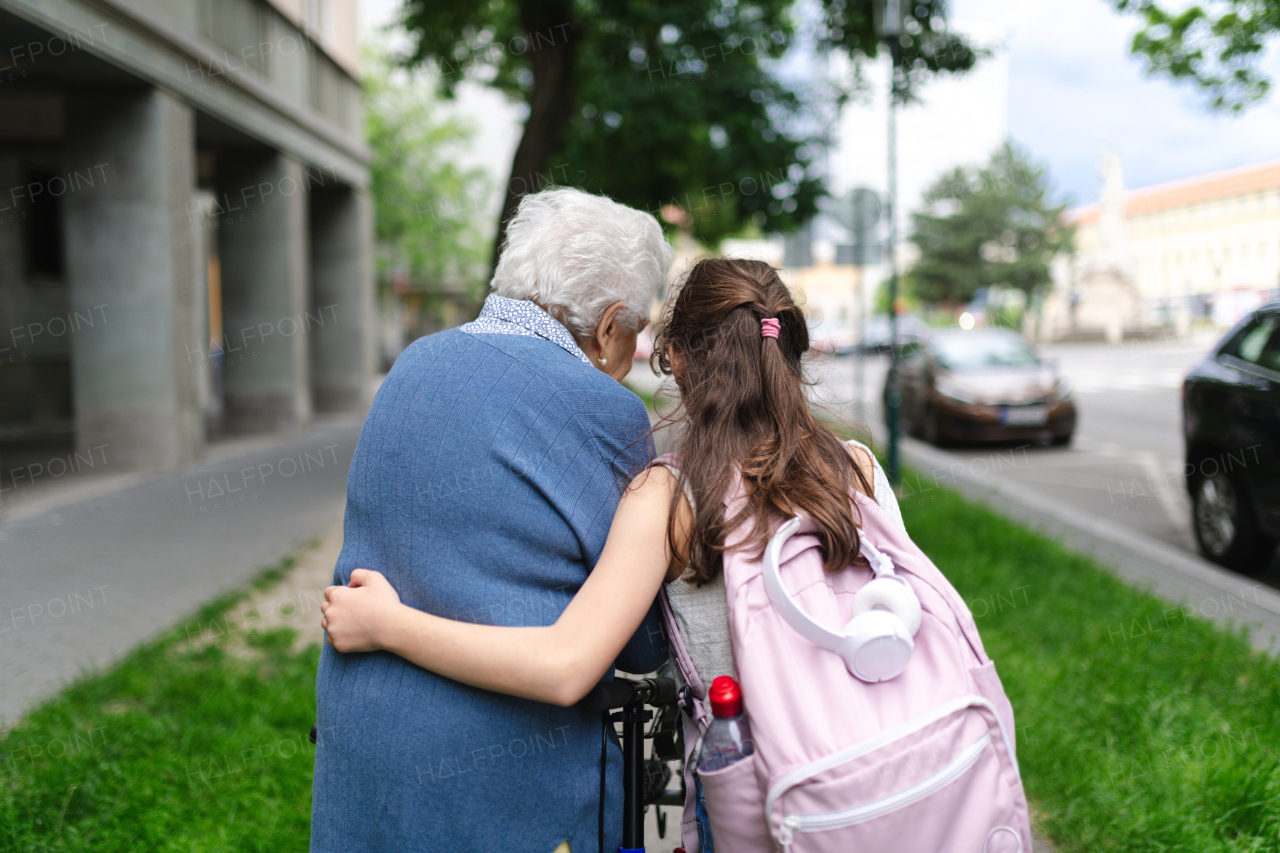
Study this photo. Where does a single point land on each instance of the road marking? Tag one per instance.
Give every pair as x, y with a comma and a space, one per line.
1166, 491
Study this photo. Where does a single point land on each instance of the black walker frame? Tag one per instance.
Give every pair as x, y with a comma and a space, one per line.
644, 780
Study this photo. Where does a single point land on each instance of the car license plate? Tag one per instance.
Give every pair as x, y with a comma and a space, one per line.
1024, 415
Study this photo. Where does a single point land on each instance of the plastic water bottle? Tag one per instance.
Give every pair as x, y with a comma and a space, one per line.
728, 738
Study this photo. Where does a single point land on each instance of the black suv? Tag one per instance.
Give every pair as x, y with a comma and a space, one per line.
1231, 422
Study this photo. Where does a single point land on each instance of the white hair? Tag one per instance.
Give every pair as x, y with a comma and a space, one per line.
575, 254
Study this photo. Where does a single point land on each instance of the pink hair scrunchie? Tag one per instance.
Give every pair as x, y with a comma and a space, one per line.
769, 327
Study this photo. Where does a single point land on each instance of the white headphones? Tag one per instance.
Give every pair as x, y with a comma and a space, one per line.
876, 645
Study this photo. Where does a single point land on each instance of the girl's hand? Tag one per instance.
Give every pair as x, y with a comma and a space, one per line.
354, 615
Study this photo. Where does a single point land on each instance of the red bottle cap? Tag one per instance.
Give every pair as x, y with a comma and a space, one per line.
725, 697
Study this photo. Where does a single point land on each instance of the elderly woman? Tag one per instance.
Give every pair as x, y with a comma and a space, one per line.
483, 487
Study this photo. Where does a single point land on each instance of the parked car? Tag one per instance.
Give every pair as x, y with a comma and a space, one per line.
1231, 423
982, 385
875, 333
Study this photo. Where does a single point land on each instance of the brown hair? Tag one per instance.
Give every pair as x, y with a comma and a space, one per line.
743, 408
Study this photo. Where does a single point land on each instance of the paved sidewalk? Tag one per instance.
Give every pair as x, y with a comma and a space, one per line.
82, 584
294, 602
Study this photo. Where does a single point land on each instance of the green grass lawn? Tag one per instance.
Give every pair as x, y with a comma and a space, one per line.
197, 742
1140, 728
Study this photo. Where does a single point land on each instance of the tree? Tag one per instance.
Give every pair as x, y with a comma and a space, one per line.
984, 227
1217, 45
425, 223
663, 105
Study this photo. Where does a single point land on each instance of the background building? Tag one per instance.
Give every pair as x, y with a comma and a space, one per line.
1202, 247
185, 238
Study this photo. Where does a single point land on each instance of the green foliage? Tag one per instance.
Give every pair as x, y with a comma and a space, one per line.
1140, 725
196, 742
927, 47
1215, 45
666, 104
425, 206
986, 227
692, 121
1006, 307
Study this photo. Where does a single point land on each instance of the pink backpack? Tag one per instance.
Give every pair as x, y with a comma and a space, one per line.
921, 763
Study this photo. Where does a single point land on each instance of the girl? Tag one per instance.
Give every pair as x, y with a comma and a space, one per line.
733, 340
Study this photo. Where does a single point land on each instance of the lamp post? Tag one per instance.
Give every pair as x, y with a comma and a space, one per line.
864, 219
889, 27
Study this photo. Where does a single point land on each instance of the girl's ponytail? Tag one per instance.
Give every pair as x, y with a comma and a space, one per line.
739, 339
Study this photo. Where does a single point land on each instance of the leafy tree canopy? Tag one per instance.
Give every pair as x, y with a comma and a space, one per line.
1217, 45
424, 205
664, 105
986, 226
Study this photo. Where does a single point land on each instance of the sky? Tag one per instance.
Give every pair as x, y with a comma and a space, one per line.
957, 121
1062, 86
1074, 91
495, 120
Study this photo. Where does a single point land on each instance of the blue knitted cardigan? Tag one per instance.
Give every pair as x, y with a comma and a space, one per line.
483, 487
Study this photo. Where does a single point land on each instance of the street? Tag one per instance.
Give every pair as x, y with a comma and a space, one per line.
1125, 463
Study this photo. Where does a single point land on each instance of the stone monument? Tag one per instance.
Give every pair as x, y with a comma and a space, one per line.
1104, 293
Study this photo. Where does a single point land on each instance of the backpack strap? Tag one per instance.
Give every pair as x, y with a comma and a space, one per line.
679, 650
889, 539
697, 713
895, 543
667, 460
684, 662
695, 723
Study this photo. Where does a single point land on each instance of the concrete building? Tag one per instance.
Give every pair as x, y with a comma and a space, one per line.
1202, 247
185, 234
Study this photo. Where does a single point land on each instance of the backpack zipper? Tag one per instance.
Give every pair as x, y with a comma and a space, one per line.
891, 803
873, 743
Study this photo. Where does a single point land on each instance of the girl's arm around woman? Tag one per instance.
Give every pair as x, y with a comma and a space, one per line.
559, 663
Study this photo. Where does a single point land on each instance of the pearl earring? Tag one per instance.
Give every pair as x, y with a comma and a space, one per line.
604, 361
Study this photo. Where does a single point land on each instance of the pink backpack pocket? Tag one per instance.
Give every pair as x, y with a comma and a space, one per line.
936, 783
735, 807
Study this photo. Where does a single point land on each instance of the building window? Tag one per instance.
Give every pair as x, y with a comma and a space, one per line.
239, 26
43, 234
329, 89
320, 19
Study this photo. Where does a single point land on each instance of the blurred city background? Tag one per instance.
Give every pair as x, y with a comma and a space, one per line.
221, 221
